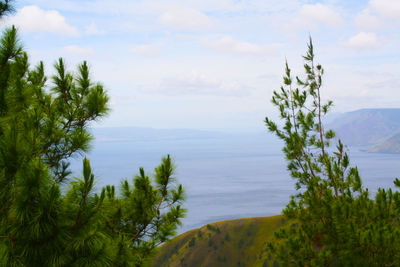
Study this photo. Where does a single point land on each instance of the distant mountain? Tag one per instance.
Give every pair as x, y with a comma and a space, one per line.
390, 145
369, 127
240, 242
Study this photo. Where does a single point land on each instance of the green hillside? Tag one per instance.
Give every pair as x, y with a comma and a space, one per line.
240, 242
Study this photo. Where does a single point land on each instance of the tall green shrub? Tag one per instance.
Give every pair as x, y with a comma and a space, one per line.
334, 220
42, 125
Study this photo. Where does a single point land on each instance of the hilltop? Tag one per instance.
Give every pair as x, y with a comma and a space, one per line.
240, 242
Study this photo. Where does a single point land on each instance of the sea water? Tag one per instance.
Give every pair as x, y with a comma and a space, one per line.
226, 176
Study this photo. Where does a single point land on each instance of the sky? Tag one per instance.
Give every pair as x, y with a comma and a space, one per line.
213, 64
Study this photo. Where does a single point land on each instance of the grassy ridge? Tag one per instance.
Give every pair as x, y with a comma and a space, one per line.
240, 242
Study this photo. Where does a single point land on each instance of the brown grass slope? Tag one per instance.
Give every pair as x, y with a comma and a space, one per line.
240, 242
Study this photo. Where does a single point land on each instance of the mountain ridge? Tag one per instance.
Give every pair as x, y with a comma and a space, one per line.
371, 128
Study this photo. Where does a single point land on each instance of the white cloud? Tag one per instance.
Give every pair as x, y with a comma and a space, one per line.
228, 44
145, 50
386, 8
34, 19
196, 83
79, 51
92, 29
363, 40
366, 21
310, 16
107, 7
185, 18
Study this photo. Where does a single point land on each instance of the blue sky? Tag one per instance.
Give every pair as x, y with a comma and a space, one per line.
213, 64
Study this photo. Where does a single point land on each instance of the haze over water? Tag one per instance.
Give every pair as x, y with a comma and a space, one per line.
226, 176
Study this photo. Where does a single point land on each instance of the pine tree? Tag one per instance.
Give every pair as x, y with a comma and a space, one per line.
48, 218
333, 219
6, 7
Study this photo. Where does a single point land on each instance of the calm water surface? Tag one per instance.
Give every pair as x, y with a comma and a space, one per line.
226, 176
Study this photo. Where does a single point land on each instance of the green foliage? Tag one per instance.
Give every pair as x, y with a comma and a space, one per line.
213, 228
227, 237
192, 242
200, 234
145, 215
338, 224
6, 7
42, 126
